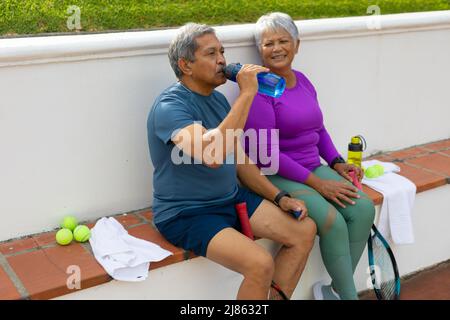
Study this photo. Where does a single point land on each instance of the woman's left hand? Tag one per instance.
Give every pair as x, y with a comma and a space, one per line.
344, 168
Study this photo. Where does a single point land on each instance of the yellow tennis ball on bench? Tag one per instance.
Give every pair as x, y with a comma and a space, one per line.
69, 222
371, 172
82, 233
64, 237
379, 168
374, 171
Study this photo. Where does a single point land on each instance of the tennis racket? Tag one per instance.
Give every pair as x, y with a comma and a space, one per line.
241, 209
383, 267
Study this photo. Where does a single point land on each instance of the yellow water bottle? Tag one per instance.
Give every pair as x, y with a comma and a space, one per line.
355, 150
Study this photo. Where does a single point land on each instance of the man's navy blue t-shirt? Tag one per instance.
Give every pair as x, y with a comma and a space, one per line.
179, 186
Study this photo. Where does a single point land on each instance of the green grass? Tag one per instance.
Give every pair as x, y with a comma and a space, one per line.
21, 17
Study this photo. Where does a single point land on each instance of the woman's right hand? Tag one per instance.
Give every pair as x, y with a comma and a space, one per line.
338, 192
247, 80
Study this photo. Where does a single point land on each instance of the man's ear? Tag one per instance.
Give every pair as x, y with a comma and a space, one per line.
185, 66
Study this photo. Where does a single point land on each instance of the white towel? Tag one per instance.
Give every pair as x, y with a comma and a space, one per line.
123, 257
398, 200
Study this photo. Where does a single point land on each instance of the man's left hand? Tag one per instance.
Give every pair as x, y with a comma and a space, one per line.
291, 204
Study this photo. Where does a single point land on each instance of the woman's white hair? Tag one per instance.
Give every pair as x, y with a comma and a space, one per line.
274, 21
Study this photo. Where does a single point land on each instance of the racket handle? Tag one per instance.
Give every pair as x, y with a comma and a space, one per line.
241, 209
356, 182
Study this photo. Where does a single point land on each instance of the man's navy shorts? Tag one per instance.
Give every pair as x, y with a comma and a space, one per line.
193, 229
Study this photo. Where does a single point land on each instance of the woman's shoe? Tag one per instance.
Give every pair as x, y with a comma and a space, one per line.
321, 291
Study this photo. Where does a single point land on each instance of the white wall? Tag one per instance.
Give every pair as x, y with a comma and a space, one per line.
73, 109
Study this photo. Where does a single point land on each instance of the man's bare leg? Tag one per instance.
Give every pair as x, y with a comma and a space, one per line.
235, 251
296, 237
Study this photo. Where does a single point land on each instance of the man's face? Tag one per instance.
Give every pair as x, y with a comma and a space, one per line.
209, 62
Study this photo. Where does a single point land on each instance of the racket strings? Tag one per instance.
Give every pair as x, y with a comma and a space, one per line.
384, 274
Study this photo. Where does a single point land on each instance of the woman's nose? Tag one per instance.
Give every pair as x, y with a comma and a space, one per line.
276, 46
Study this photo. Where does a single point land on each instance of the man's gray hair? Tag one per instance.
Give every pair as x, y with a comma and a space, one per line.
184, 44
274, 21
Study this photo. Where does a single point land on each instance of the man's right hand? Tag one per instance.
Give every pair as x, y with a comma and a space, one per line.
247, 80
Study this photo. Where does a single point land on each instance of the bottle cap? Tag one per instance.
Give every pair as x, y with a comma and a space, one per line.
356, 140
356, 144
231, 70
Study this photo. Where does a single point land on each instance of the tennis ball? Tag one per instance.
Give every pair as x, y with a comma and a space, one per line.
82, 233
64, 237
69, 222
371, 172
379, 168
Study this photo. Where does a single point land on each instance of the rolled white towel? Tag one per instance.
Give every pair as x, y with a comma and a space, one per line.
124, 257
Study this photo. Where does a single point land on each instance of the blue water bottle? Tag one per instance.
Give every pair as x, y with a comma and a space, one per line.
268, 83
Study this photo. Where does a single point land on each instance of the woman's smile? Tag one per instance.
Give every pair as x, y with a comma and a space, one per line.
278, 57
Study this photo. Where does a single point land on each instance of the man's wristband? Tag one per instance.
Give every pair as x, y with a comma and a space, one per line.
336, 160
280, 195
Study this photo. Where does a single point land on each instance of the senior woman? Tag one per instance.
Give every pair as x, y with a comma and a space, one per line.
343, 214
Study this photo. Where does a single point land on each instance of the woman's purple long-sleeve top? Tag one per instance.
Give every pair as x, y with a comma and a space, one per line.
302, 136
